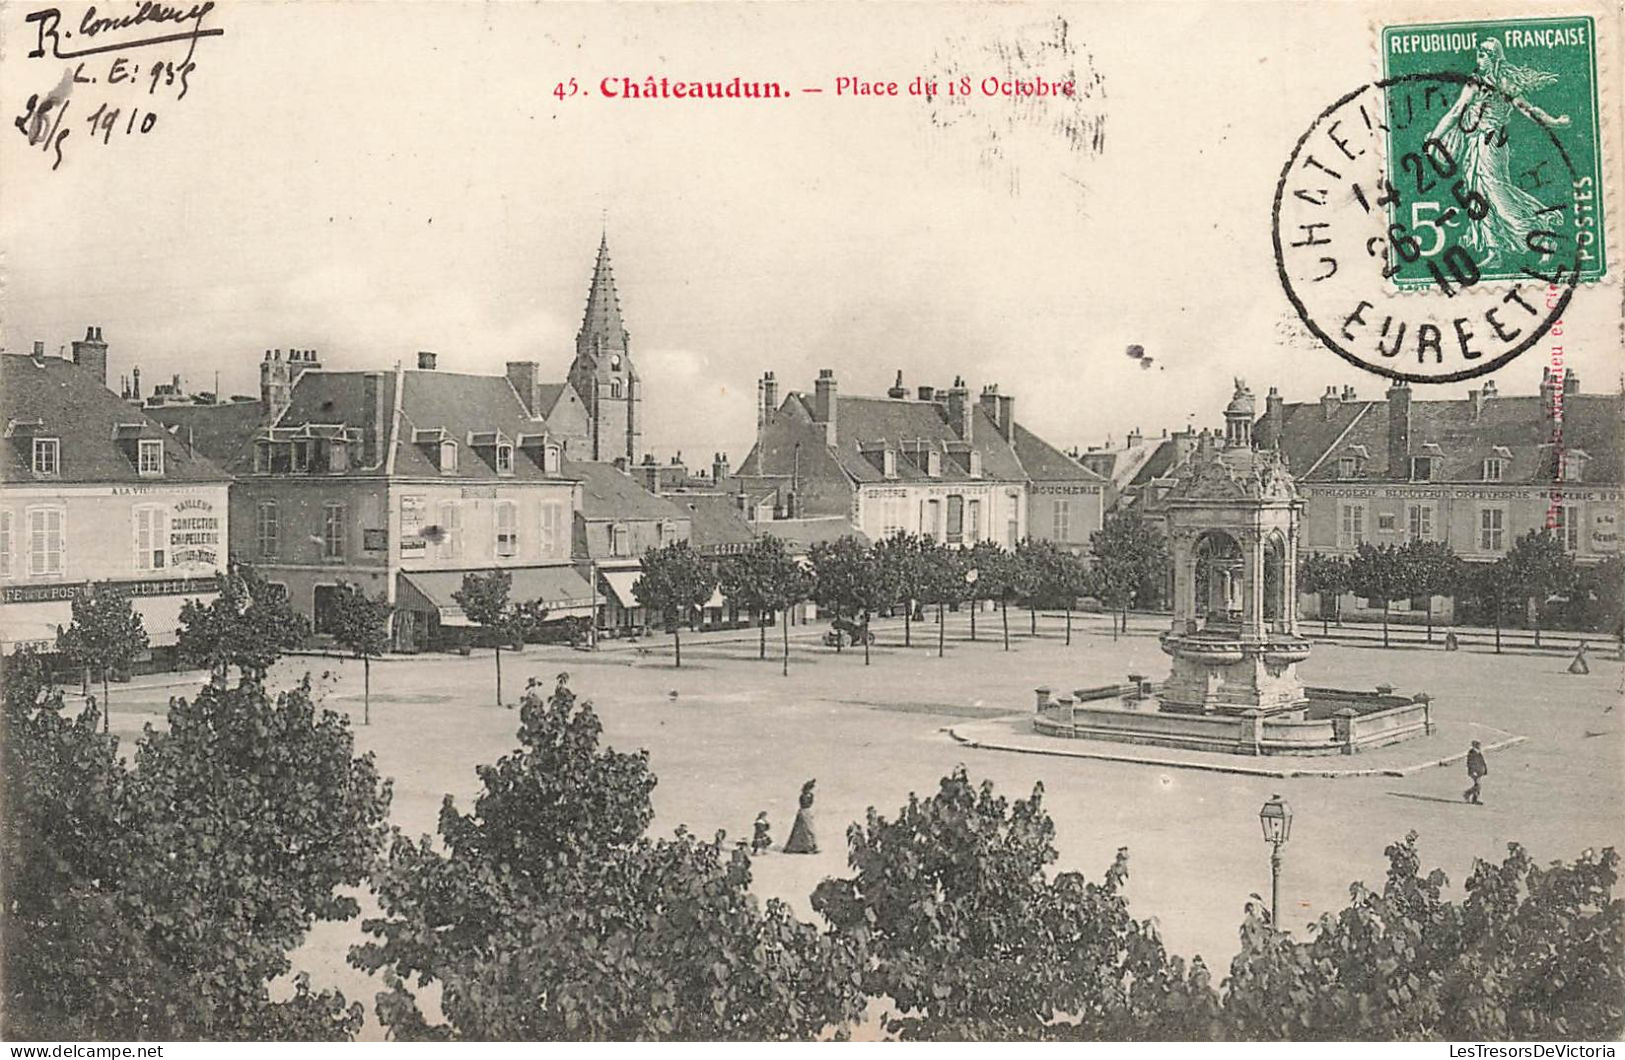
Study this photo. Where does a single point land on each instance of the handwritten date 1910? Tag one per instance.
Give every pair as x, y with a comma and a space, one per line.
105, 121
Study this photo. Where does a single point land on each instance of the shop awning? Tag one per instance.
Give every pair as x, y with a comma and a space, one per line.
716, 599
620, 584
564, 592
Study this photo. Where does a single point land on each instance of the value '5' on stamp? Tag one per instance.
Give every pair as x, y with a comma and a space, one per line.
1493, 152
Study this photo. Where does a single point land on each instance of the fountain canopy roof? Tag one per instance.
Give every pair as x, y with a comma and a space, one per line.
1235, 474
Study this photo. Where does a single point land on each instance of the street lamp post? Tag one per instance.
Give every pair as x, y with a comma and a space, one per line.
1276, 819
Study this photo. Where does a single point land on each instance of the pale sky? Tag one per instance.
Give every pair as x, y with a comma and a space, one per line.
375, 179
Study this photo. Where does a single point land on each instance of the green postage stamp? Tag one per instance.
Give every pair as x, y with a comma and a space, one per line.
1475, 197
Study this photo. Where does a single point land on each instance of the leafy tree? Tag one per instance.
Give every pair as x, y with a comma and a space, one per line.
675, 581
106, 634
1328, 577
160, 901
1492, 587
1037, 565
1131, 563
944, 584
902, 560
548, 913
361, 626
968, 934
1380, 572
249, 626
849, 583
1432, 569
1529, 953
1539, 567
765, 579
992, 566
484, 599
1604, 589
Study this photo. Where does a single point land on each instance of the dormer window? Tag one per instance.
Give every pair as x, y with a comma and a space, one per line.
933, 463
550, 460
1346, 467
1421, 468
888, 463
975, 464
47, 456
301, 455
448, 457
504, 459
1571, 466
150, 456
1493, 468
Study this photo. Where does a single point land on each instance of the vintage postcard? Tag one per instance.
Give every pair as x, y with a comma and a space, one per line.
810, 522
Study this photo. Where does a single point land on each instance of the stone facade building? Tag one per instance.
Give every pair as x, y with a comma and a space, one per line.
934, 462
92, 489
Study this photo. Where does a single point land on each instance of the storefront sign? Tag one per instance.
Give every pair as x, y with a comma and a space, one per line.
36, 594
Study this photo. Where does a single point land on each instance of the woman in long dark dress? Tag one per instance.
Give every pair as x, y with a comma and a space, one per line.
803, 840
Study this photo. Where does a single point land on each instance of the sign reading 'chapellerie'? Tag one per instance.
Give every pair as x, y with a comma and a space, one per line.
34, 594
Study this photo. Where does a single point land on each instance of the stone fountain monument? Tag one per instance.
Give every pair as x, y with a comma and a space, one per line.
1233, 518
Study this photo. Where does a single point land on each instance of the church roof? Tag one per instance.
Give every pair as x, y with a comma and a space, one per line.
602, 320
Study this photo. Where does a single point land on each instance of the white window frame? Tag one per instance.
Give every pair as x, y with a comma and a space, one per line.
40, 560
1417, 464
888, 463
448, 457
506, 524
1062, 519
620, 539
975, 464
551, 512
145, 447
1419, 522
261, 522
1568, 519
451, 530
550, 460
334, 531
973, 519
504, 459
1347, 466
47, 456
1393, 522
151, 536
1492, 532
1494, 468
1351, 525
8, 529
933, 525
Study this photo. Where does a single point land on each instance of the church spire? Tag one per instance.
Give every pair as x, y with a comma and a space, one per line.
602, 333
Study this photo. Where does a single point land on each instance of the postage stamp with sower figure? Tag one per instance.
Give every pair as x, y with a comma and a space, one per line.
1477, 199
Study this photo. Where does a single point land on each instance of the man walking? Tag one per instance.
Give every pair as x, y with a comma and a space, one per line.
1476, 770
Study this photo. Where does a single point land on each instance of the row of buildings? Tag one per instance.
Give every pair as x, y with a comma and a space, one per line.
403, 479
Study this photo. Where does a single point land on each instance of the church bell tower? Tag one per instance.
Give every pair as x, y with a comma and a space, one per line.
602, 372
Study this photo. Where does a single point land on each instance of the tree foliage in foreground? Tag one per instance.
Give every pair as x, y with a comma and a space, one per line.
550, 914
1530, 953
161, 900
970, 937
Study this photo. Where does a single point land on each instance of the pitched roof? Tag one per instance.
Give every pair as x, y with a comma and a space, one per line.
222, 433
472, 410
609, 493
716, 520
547, 397
864, 425
601, 323
801, 534
1511, 428
1043, 462
72, 406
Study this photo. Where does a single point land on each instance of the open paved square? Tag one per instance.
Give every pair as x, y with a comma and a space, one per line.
728, 736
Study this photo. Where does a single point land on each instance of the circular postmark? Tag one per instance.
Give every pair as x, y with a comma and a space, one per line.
1424, 226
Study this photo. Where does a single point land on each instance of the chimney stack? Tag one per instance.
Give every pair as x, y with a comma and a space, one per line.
375, 430
90, 354
1399, 431
426, 360
39, 350
824, 403
960, 409
1329, 402
1571, 382
719, 467
898, 391
767, 403
927, 393
1274, 420
522, 374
